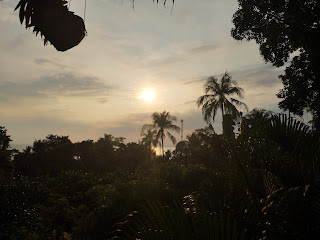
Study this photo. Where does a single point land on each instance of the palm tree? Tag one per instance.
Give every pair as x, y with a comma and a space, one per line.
254, 121
162, 122
148, 134
216, 97
256, 116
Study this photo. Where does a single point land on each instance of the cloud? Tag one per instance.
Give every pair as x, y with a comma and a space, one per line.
259, 75
190, 102
195, 80
102, 100
26, 130
134, 119
262, 75
7, 15
63, 84
203, 49
128, 126
181, 54
192, 120
53, 62
42, 61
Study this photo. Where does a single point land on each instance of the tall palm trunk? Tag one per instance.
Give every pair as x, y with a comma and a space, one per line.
162, 146
222, 112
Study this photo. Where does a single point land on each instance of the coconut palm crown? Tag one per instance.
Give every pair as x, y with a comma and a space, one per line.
216, 97
148, 135
162, 123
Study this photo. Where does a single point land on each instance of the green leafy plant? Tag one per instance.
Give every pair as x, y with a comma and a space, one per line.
178, 221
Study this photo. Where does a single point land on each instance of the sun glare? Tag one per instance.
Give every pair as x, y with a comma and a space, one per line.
148, 96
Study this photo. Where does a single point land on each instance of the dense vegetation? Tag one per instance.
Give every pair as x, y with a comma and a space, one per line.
263, 184
282, 28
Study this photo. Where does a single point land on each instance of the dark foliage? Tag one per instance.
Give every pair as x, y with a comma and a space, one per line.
264, 183
282, 28
53, 20
5, 152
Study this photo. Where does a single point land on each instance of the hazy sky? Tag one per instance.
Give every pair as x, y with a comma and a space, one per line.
94, 88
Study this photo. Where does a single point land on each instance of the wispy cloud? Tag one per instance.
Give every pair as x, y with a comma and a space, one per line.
262, 75
102, 100
195, 80
63, 84
203, 49
190, 102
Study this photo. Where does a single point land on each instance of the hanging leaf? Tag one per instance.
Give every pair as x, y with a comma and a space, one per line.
54, 21
21, 12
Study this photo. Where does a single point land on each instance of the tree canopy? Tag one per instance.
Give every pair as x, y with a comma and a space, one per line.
5, 153
217, 97
284, 28
162, 123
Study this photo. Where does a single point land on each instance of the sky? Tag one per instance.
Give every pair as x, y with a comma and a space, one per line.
93, 89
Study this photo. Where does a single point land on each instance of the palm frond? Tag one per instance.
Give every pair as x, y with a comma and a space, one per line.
146, 127
173, 127
239, 103
231, 109
299, 140
209, 111
293, 211
172, 138
226, 81
216, 97
178, 221
173, 118
235, 90
271, 182
159, 136
205, 98
212, 85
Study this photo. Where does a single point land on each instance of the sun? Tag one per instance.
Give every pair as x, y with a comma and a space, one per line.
148, 95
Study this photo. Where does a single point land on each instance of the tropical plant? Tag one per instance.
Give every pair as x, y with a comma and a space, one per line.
300, 142
5, 152
180, 221
254, 119
292, 213
216, 98
279, 28
162, 122
148, 135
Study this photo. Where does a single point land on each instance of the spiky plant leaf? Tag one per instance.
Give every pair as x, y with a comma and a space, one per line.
178, 221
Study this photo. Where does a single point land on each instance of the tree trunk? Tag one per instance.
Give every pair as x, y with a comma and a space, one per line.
222, 111
162, 146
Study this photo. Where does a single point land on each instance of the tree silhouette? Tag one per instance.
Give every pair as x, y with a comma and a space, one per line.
255, 118
148, 134
282, 28
53, 20
216, 98
162, 122
5, 153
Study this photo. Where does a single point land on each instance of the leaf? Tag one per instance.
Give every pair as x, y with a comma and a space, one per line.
28, 14
178, 221
22, 12
19, 4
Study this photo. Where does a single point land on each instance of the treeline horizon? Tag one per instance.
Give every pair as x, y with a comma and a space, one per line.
264, 183
261, 183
